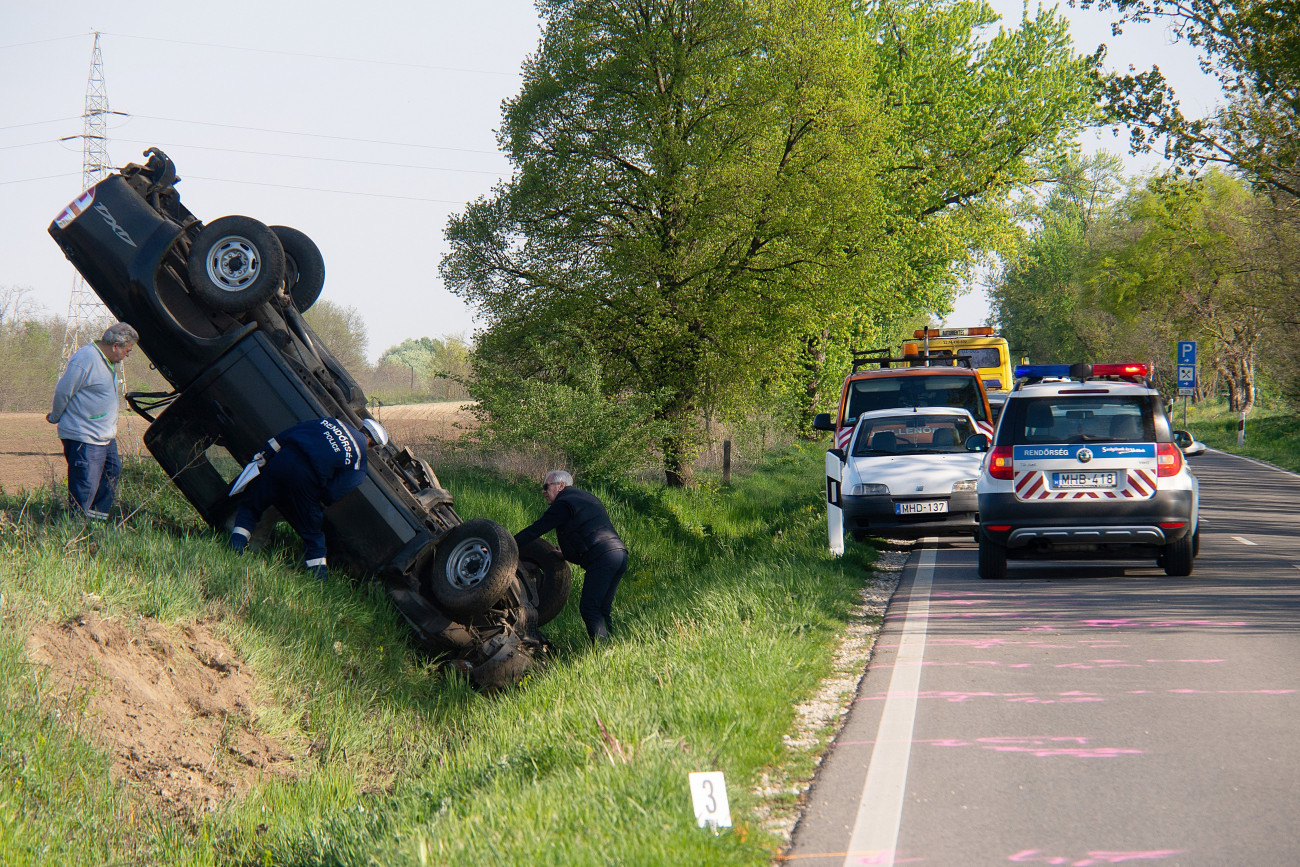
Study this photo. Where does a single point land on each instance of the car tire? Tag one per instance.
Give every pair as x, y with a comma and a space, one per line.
1196, 542
545, 566
304, 267
1179, 556
992, 560
474, 566
235, 264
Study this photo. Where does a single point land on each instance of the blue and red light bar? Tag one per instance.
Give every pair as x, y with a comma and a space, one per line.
1081, 371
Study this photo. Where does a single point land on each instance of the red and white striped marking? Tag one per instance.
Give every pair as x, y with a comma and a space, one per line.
1138, 485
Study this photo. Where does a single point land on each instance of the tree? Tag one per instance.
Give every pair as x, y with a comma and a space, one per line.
703, 188
1252, 47
1196, 261
1041, 298
343, 331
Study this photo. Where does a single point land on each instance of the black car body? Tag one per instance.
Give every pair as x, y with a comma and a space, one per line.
219, 312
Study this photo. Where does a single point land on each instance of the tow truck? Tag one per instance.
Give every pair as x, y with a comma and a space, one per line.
988, 352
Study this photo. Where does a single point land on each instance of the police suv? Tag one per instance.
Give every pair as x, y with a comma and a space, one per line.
1085, 464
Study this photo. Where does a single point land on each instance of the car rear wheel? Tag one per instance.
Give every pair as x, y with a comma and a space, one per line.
992, 561
1178, 557
542, 562
475, 564
304, 267
235, 264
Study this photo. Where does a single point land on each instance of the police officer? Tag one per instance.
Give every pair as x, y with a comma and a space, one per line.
301, 471
587, 538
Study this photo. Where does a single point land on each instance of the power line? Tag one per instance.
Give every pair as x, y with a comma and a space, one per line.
314, 135
42, 41
323, 190
316, 56
45, 178
41, 122
302, 157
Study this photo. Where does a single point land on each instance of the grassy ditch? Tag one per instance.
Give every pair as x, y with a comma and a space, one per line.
1272, 434
727, 618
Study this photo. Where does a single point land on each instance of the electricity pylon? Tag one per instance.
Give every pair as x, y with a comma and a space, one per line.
85, 310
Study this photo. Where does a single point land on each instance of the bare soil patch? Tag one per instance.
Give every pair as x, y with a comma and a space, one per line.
174, 707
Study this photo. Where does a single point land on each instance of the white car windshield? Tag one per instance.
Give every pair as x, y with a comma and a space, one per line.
912, 433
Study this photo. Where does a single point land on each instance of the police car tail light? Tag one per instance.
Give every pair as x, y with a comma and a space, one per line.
1000, 463
1169, 460
1119, 370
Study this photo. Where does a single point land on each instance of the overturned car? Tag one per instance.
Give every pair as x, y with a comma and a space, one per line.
219, 310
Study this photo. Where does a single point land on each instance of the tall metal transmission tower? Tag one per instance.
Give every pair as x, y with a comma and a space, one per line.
85, 310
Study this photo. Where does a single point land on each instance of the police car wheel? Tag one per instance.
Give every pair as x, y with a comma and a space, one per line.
1178, 557
474, 566
992, 561
235, 264
542, 563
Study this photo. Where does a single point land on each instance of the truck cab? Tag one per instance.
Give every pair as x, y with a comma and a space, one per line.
987, 351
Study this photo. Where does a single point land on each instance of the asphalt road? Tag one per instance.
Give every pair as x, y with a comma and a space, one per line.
1083, 713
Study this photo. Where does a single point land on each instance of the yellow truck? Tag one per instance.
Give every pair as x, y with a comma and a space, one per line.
988, 353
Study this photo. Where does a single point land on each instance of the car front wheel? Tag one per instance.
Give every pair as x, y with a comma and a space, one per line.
475, 564
550, 574
235, 264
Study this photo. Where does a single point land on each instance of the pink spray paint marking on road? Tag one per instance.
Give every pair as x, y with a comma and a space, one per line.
1040, 747
1093, 858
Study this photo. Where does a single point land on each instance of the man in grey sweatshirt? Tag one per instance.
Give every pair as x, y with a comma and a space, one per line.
85, 409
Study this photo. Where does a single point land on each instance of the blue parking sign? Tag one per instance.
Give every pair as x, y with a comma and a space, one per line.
1186, 366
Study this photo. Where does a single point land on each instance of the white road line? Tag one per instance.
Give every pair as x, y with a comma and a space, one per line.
1246, 541
880, 810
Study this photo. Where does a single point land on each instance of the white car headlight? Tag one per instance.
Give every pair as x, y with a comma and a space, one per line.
965, 485
868, 490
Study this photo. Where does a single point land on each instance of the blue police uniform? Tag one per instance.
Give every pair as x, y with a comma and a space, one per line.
310, 466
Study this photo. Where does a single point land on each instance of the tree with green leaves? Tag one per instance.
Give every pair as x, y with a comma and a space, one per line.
1195, 260
1252, 47
705, 188
1041, 298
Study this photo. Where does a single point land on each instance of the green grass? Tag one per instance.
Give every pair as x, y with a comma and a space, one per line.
727, 618
1272, 434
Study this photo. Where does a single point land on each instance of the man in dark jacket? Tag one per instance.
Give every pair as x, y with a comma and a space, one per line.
587, 538
300, 472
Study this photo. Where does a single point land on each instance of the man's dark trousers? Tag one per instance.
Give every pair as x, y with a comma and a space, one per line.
604, 570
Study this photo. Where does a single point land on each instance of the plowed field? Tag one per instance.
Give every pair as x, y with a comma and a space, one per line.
31, 454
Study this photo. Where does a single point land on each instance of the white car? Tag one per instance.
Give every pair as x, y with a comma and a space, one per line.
1085, 465
909, 472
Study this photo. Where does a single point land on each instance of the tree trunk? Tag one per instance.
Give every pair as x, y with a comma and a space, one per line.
813, 364
680, 444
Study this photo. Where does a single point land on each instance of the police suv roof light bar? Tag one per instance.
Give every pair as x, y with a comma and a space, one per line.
1034, 373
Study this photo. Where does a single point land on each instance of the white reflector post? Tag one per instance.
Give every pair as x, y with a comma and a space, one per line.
834, 514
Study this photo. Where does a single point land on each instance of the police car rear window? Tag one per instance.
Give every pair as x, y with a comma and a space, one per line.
939, 389
1078, 419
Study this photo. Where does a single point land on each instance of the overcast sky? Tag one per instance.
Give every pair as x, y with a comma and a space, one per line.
363, 125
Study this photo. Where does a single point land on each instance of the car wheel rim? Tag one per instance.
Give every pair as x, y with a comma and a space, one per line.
233, 264
468, 564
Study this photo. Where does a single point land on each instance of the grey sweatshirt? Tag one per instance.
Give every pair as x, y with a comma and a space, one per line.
86, 398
